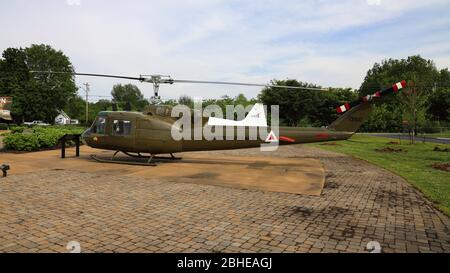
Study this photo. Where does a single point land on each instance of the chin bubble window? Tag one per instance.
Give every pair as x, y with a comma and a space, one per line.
121, 127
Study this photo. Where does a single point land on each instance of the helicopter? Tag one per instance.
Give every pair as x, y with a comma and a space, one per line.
150, 131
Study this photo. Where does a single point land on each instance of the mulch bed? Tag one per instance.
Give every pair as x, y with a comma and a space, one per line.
439, 149
393, 143
390, 150
441, 166
330, 143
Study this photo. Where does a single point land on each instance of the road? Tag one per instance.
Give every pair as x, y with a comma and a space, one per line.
418, 138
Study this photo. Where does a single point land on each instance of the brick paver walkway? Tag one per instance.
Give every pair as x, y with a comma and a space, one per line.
108, 212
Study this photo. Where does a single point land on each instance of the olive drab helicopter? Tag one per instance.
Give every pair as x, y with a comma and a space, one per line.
149, 132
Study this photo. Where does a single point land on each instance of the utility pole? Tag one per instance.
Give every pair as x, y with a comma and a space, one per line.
86, 89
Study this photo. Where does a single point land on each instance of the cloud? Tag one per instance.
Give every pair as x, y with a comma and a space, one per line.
332, 43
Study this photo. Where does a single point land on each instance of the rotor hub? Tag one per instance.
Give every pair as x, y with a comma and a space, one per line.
156, 80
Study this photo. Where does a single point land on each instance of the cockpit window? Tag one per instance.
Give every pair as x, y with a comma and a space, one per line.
121, 127
99, 125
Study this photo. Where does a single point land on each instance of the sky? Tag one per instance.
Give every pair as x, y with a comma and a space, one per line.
329, 43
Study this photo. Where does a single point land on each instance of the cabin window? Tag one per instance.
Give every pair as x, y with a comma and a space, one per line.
99, 125
121, 127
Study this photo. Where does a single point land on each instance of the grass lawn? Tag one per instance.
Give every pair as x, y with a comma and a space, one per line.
444, 134
414, 165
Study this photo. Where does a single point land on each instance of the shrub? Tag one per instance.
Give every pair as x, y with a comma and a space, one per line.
3, 126
17, 129
21, 142
37, 137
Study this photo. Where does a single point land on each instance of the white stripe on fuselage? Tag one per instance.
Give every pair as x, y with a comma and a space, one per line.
256, 117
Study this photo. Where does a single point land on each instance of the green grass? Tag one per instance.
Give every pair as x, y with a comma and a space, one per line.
413, 165
444, 134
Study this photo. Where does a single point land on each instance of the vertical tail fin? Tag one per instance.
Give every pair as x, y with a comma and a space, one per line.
353, 119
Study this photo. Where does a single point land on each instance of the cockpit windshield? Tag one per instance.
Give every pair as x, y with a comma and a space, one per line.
99, 125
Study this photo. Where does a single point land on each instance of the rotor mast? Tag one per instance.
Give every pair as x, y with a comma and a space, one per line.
156, 80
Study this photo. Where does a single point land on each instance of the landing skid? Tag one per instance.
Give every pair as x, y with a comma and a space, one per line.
150, 159
103, 160
139, 155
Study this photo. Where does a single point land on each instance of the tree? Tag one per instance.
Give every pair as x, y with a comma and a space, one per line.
36, 96
439, 103
305, 107
383, 119
186, 100
75, 108
420, 74
128, 93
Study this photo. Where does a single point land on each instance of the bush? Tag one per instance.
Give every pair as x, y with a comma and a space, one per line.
37, 137
17, 129
3, 126
21, 142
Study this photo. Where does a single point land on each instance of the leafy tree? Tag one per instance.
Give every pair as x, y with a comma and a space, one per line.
421, 76
75, 108
383, 119
103, 105
439, 102
36, 96
128, 93
186, 100
170, 102
305, 107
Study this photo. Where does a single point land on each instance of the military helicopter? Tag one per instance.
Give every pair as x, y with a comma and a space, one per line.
149, 131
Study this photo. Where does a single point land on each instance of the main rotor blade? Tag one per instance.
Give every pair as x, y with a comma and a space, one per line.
171, 81
89, 74
249, 84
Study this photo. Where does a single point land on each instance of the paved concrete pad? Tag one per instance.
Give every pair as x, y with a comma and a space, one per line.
291, 175
106, 211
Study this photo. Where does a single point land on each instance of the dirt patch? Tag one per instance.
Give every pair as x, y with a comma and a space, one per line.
331, 144
392, 143
441, 166
390, 150
439, 149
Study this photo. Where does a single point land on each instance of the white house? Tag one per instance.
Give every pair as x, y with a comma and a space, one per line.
62, 118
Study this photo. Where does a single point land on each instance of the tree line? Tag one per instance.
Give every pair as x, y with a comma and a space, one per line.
424, 103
